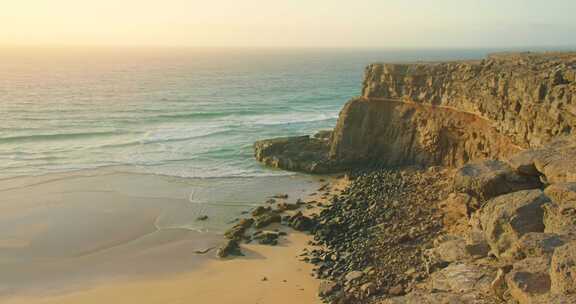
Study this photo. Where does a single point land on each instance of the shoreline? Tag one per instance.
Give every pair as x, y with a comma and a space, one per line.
147, 256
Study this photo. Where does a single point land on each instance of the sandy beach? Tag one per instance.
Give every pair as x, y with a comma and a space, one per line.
109, 236
265, 275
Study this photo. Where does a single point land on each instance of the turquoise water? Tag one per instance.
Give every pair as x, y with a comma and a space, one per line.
188, 113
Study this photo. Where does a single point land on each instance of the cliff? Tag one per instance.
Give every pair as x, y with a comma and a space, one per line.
445, 113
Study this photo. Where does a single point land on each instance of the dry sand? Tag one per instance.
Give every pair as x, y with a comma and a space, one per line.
238, 281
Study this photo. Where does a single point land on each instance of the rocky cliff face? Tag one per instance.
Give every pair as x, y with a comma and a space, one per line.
528, 97
447, 113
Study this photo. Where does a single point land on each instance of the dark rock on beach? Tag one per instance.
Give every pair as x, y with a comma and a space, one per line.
229, 248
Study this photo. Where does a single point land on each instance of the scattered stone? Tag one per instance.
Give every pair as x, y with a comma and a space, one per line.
202, 218
301, 222
327, 288
261, 210
203, 251
397, 290
237, 231
229, 248
353, 276
266, 237
280, 196
287, 207
266, 219
368, 289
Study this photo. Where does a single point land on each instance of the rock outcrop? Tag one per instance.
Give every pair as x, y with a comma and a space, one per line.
530, 232
446, 113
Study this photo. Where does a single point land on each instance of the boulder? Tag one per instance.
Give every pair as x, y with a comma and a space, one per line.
261, 210
529, 280
229, 248
266, 219
556, 161
426, 297
560, 215
353, 276
301, 222
266, 237
490, 178
237, 231
459, 277
537, 244
327, 288
508, 217
563, 269
456, 210
300, 153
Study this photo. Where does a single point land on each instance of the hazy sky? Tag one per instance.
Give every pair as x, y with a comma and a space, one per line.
291, 23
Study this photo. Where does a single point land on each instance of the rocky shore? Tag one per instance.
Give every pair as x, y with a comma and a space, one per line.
461, 184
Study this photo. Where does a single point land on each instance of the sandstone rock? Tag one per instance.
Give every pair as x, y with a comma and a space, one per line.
426, 297
508, 217
529, 280
556, 161
447, 114
301, 153
536, 244
395, 133
561, 193
353, 276
396, 290
327, 288
498, 285
490, 178
456, 209
529, 97
560, 215
368, 289
449, 249
563, 269
462, 278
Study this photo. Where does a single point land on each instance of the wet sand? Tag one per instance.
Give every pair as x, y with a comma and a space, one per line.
108, 236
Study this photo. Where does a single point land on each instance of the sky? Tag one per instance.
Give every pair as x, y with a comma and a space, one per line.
289, 23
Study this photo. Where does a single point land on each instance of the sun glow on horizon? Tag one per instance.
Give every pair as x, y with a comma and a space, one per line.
284, 23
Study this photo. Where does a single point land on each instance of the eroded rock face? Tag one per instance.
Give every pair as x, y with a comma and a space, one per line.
508, 217
300, 153
529, 97
395, 133
563, 269
556, 161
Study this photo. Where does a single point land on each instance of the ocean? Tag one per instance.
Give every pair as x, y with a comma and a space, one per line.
176, 112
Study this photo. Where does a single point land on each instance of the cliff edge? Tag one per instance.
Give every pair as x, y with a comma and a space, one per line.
442, 113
